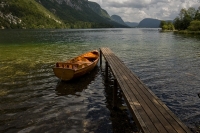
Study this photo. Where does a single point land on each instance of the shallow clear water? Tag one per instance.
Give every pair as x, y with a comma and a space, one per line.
32, 99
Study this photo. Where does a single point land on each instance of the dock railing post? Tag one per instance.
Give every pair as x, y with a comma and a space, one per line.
115, 89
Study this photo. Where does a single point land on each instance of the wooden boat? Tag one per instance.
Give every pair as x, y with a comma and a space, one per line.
77, 66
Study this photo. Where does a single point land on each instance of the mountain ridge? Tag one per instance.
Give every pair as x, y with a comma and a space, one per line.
149, 23
40, 14
97, 9
12, 15
118, 19
33, 14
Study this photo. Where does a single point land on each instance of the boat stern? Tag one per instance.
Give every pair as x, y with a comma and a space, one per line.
63, 74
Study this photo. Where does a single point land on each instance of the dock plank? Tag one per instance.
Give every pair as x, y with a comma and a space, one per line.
149, 112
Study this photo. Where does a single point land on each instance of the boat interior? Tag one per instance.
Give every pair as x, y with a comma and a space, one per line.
79, 62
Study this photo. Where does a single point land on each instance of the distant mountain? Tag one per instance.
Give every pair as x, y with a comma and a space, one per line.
149, 23
118, 19
132, 24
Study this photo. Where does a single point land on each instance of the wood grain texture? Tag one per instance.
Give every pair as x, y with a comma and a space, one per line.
149, 112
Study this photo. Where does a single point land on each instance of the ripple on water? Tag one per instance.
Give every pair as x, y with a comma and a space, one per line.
32, 99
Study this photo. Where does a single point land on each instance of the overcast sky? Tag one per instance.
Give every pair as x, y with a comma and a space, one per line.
136, 10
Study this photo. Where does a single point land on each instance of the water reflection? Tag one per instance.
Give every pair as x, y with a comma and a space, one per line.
186, 36
75, 86
121, 118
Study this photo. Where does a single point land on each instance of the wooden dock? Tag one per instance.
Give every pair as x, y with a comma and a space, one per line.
149, 112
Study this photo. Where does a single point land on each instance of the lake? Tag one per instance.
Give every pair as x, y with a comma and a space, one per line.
32, 99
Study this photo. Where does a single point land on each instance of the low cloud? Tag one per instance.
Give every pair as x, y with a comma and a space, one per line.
136, 10
135, 4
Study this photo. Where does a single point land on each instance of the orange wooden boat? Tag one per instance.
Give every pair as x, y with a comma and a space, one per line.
77, 66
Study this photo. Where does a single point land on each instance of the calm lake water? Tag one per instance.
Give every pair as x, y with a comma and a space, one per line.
32, 99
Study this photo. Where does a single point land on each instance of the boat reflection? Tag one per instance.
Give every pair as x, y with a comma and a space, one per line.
77, 85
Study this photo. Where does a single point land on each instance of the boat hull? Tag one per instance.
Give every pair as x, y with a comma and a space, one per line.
63, 74
77, 66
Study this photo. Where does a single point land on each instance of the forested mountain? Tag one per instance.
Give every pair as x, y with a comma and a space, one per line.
149, 23
26, 14
118, 19
53, 14
80, 13
97, 9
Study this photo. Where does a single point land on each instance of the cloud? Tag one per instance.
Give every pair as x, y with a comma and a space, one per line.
128, 4
136, 10
134, 3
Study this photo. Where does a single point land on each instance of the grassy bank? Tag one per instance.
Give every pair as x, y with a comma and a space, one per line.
187, 32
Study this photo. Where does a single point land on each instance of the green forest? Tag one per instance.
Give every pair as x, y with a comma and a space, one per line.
187, 20
27, 14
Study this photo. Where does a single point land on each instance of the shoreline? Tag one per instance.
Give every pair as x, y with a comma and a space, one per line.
187, 32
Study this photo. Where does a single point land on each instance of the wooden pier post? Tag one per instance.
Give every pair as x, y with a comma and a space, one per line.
106, 70
100, 58
115, 89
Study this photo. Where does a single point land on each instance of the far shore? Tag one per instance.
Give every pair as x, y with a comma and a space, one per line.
168, 30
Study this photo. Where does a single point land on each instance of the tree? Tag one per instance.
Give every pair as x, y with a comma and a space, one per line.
182, 13
194, 26
166, 25
191, 12
170, 26
177, 23
162, 23
186, 16
197, 15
